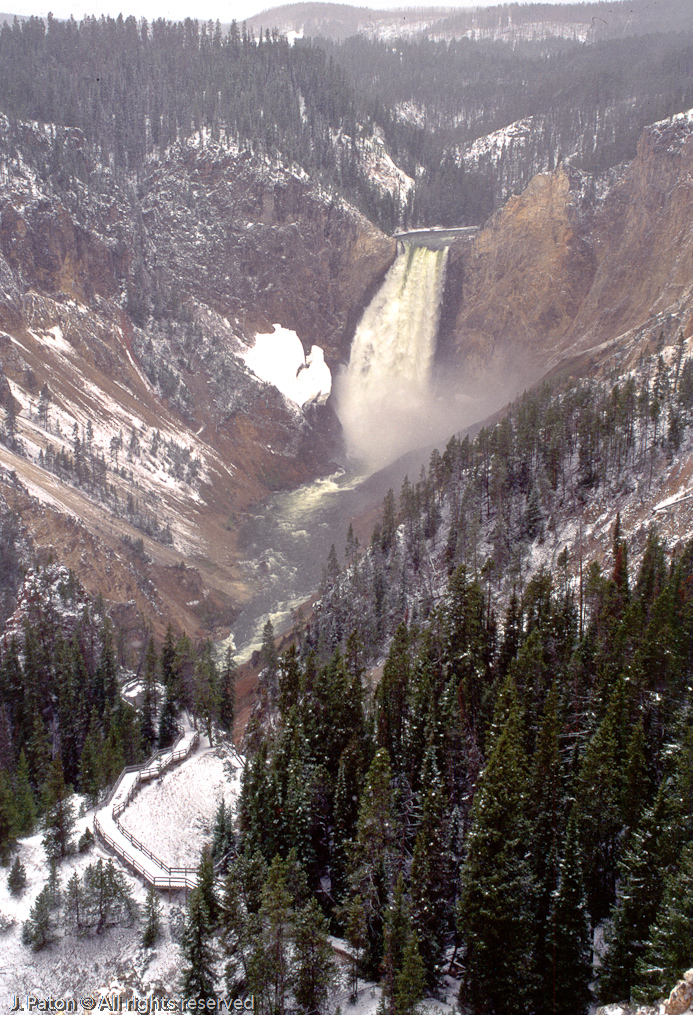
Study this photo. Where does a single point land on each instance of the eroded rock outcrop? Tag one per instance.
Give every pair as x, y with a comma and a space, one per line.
679, 1002
574, 261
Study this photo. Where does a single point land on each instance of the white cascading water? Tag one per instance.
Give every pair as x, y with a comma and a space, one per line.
384, 398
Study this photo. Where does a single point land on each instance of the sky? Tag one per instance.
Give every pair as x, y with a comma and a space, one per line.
177, 10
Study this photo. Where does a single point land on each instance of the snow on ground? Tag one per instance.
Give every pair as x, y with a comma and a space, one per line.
72, 967
279, 359
495, 143
174, 815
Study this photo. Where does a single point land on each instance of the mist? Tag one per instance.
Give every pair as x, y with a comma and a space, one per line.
388, 398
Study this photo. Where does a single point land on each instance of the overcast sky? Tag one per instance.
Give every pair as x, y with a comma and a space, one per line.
177, 10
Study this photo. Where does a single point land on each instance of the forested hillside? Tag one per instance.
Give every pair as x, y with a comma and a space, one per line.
338, 109
523, 764
588, 103
135, 89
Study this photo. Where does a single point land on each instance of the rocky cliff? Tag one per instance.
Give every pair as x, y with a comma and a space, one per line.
575, 261
126, 306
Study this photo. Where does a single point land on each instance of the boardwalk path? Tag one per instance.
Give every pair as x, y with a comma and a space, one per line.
130, 850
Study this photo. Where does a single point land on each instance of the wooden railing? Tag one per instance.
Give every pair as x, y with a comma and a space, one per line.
172, 878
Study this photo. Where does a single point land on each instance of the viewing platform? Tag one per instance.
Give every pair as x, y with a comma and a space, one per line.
438, 237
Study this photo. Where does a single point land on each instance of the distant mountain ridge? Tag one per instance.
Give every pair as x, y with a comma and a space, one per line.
584, 22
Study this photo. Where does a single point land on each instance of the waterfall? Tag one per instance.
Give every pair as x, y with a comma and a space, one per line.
384, 397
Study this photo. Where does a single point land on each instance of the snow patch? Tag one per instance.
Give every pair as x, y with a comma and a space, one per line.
279, 359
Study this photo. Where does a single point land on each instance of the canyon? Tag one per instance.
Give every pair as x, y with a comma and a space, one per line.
135, 305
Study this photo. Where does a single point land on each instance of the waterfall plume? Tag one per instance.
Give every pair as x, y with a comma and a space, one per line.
384, 395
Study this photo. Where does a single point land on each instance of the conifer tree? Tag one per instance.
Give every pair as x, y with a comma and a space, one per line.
24, 796
410, 982
222, 833
396, 934
547, 818
240, 915
168, 721
152, 918
496, 911
38, 930
431, 877
106, 677
58, 817
90, 762
599, 808
206, 688
205, 885
392, 699
639, 897
107, 896
227, 693
148, 706
669, 949
74, 904
636, 781
315, 972
372, 862
196, 945
270, 962
16, 881
569, 939
9, 819
168, 656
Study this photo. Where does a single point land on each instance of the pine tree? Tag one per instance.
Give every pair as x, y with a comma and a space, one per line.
353, 918
205, 885
58, 817
38, 931
639, 897
74, 904
431, 877
168, 656
9, 819
269, 965
569, 939
196, 945
227, 693
152, 918
16, 881
496, 909
396, 934
372, 861
599, 808
107, 896
148, 706
547, 823
392, 699
222, 834
24, 796
90, 776
669, 950
206, 688
240, 916
168, 721
315, 972
410, 982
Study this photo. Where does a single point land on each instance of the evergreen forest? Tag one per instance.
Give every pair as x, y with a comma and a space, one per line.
135, 88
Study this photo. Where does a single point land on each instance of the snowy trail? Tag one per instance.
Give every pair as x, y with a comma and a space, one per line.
130, 850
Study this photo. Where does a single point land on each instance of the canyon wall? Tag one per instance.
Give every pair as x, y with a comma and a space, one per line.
576, 261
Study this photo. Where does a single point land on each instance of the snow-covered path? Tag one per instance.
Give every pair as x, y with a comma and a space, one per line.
131, 851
